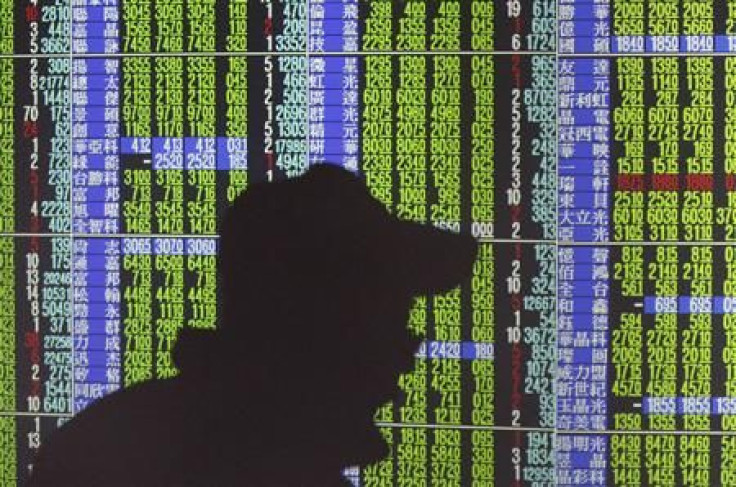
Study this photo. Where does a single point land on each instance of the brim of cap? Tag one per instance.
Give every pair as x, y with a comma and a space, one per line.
430, 260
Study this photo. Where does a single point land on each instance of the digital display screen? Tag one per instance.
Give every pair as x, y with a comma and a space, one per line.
590, 146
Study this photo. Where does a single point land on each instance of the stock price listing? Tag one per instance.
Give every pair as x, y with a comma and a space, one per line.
589, 145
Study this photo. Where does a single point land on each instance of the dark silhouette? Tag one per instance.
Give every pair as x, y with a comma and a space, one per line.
316, 282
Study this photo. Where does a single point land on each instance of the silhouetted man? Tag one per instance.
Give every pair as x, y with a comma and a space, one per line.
316, 282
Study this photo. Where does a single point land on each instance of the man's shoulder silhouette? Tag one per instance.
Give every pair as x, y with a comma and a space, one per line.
167, 433
132, 437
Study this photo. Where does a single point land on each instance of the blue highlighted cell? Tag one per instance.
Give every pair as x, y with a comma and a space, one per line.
456, 350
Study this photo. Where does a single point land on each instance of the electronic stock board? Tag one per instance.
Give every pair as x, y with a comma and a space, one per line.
589, 145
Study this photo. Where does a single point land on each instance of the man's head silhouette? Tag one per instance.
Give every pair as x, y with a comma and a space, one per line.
316, 280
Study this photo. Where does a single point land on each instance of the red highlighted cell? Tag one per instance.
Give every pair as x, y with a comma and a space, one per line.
699, 182
665, 182
630, 182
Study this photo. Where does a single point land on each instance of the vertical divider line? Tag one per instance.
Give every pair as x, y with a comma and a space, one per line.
71, 206
555, 355
308, 121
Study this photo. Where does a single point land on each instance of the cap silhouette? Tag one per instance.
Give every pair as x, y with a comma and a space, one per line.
316, 280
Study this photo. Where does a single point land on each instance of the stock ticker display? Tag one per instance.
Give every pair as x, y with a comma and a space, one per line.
590, 145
